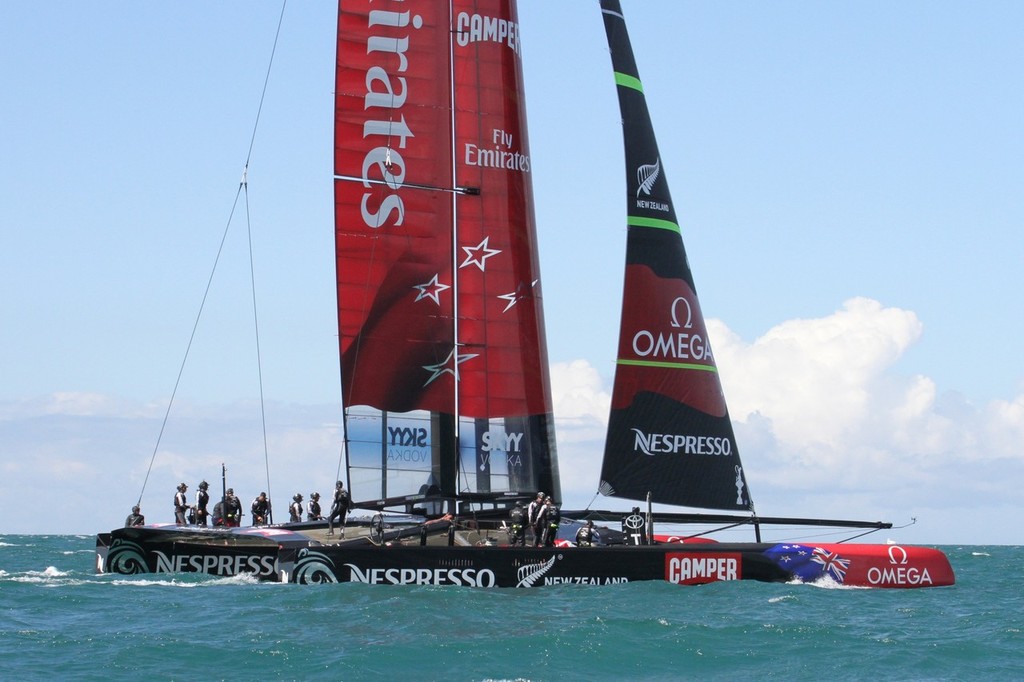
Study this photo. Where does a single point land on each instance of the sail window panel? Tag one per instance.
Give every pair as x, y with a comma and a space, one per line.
500, 455
389, 454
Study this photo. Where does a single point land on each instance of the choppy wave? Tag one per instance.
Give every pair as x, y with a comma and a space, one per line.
62, 618
186, 581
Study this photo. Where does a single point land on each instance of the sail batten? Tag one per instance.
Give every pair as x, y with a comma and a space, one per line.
669, 432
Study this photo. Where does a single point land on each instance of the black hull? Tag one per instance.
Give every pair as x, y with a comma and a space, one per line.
522, 567
285, 556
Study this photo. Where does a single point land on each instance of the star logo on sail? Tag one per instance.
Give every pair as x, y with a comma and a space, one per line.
431, 290
519, 294
478, 255
449, 366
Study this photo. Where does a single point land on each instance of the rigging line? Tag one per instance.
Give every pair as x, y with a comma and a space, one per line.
259, 356
220, 249
191, 338
266, 81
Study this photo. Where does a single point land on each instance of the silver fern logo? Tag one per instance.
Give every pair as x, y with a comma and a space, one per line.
529, 574
646, 176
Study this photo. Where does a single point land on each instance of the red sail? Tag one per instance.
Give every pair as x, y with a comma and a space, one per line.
393, 236
439, 301
500, 327
403, 182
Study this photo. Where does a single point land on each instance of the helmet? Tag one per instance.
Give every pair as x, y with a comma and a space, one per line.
315, 496
231, 491
204, 485
298, 496
541, 494
339, 484
182, 486
135, 509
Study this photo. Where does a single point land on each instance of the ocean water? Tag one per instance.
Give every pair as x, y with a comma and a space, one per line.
58, 620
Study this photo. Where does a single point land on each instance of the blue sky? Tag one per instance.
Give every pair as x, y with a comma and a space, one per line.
848, 178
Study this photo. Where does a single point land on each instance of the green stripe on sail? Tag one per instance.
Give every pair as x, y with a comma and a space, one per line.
639, 221
628, 81
668, 365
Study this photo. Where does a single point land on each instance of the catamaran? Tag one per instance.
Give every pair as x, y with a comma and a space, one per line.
446, 398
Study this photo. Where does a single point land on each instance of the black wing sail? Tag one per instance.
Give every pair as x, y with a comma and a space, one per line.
669, 432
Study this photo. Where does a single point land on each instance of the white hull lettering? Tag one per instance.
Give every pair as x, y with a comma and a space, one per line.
584, 580
702, 569
215, 564
422, 576
902, 576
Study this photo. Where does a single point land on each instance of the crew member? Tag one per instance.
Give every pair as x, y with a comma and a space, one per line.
202, 499
180, 504
260, 510
295, 510
517, 530
135, 518
313, 508
233, 509
585, 535
552, 519
533, 514
339, 509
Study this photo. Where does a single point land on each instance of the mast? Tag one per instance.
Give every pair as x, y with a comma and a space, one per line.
669, 432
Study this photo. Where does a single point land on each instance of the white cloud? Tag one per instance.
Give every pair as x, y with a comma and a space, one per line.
581, 404
827, 427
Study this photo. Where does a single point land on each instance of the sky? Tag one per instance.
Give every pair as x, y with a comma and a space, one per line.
848, 177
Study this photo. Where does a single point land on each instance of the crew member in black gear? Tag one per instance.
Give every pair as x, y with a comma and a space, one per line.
260, 510
202, 499
552, 519
135, 518
339, 510
585, 535
313, 508
180, 504
517, 526
533, 514
295, 510
233, 510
